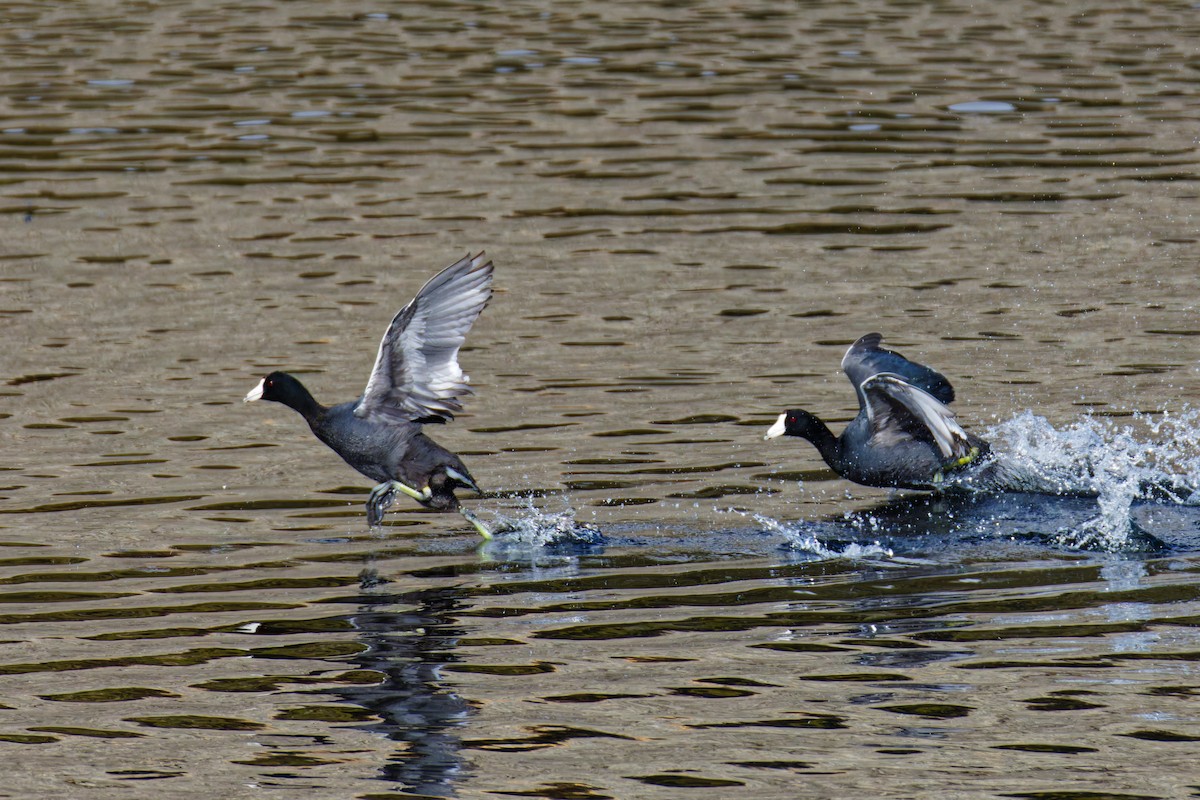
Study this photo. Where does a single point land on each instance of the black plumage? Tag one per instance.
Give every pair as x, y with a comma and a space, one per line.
904, 435
416, 380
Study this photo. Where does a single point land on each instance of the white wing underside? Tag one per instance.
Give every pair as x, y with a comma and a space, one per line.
416, 374
888, 390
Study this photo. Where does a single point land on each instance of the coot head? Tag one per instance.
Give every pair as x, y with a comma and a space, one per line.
279, 387
796, 422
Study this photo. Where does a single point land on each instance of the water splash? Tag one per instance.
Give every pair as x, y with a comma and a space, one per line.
1150, 460
805, 537
533, 528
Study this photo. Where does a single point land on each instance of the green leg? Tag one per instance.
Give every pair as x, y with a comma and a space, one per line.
478, 523
420, 497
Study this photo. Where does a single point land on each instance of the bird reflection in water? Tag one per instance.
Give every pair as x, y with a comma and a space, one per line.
409, 637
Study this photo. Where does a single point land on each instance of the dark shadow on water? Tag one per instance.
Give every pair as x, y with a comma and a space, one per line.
924, 523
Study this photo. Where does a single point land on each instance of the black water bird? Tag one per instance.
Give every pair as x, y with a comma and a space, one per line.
904, 435
416, 380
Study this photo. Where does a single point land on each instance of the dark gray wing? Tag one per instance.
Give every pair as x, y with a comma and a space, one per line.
416, 374
897, 410
866, 358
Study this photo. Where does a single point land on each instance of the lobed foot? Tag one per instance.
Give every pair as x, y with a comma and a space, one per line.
384, 494
379, 501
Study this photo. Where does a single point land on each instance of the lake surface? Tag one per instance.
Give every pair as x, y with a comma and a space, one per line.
693, 208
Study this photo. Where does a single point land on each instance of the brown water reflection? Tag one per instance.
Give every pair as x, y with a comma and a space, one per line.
693, 209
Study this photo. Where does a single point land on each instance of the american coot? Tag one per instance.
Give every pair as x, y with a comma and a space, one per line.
904, 435
416, 380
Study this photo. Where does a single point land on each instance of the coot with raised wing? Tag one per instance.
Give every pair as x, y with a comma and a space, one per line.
904, 435
416, 380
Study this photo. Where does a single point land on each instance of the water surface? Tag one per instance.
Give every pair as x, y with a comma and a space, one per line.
693, 208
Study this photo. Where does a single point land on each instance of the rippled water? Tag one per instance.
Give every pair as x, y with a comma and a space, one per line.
693, 209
